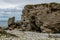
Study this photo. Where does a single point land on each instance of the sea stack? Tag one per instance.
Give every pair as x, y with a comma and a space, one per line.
11, 23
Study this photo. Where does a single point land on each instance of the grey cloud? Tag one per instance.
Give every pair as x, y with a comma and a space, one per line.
29, 1
15, 1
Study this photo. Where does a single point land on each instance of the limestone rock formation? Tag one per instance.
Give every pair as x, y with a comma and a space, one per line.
38, 17
11, 22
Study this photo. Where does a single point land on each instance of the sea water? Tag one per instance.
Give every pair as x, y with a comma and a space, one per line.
4, 16
3, 23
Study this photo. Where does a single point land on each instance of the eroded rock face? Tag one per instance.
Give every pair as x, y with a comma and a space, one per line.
38, 17
41, 18
11, 22
53, 28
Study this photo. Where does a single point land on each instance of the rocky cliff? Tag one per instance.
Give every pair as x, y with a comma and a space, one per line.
41, 18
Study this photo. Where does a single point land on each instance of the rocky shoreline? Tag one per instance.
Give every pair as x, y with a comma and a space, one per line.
39, 18
44, 18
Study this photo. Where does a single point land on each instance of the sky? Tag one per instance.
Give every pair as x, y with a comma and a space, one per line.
18, 4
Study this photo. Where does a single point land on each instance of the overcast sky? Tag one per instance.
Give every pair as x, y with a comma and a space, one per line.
20, 3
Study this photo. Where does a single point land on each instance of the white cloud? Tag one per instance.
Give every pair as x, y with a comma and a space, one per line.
21, 3
14, 3
7, 6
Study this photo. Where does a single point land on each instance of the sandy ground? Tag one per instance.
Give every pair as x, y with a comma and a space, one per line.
30, 36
